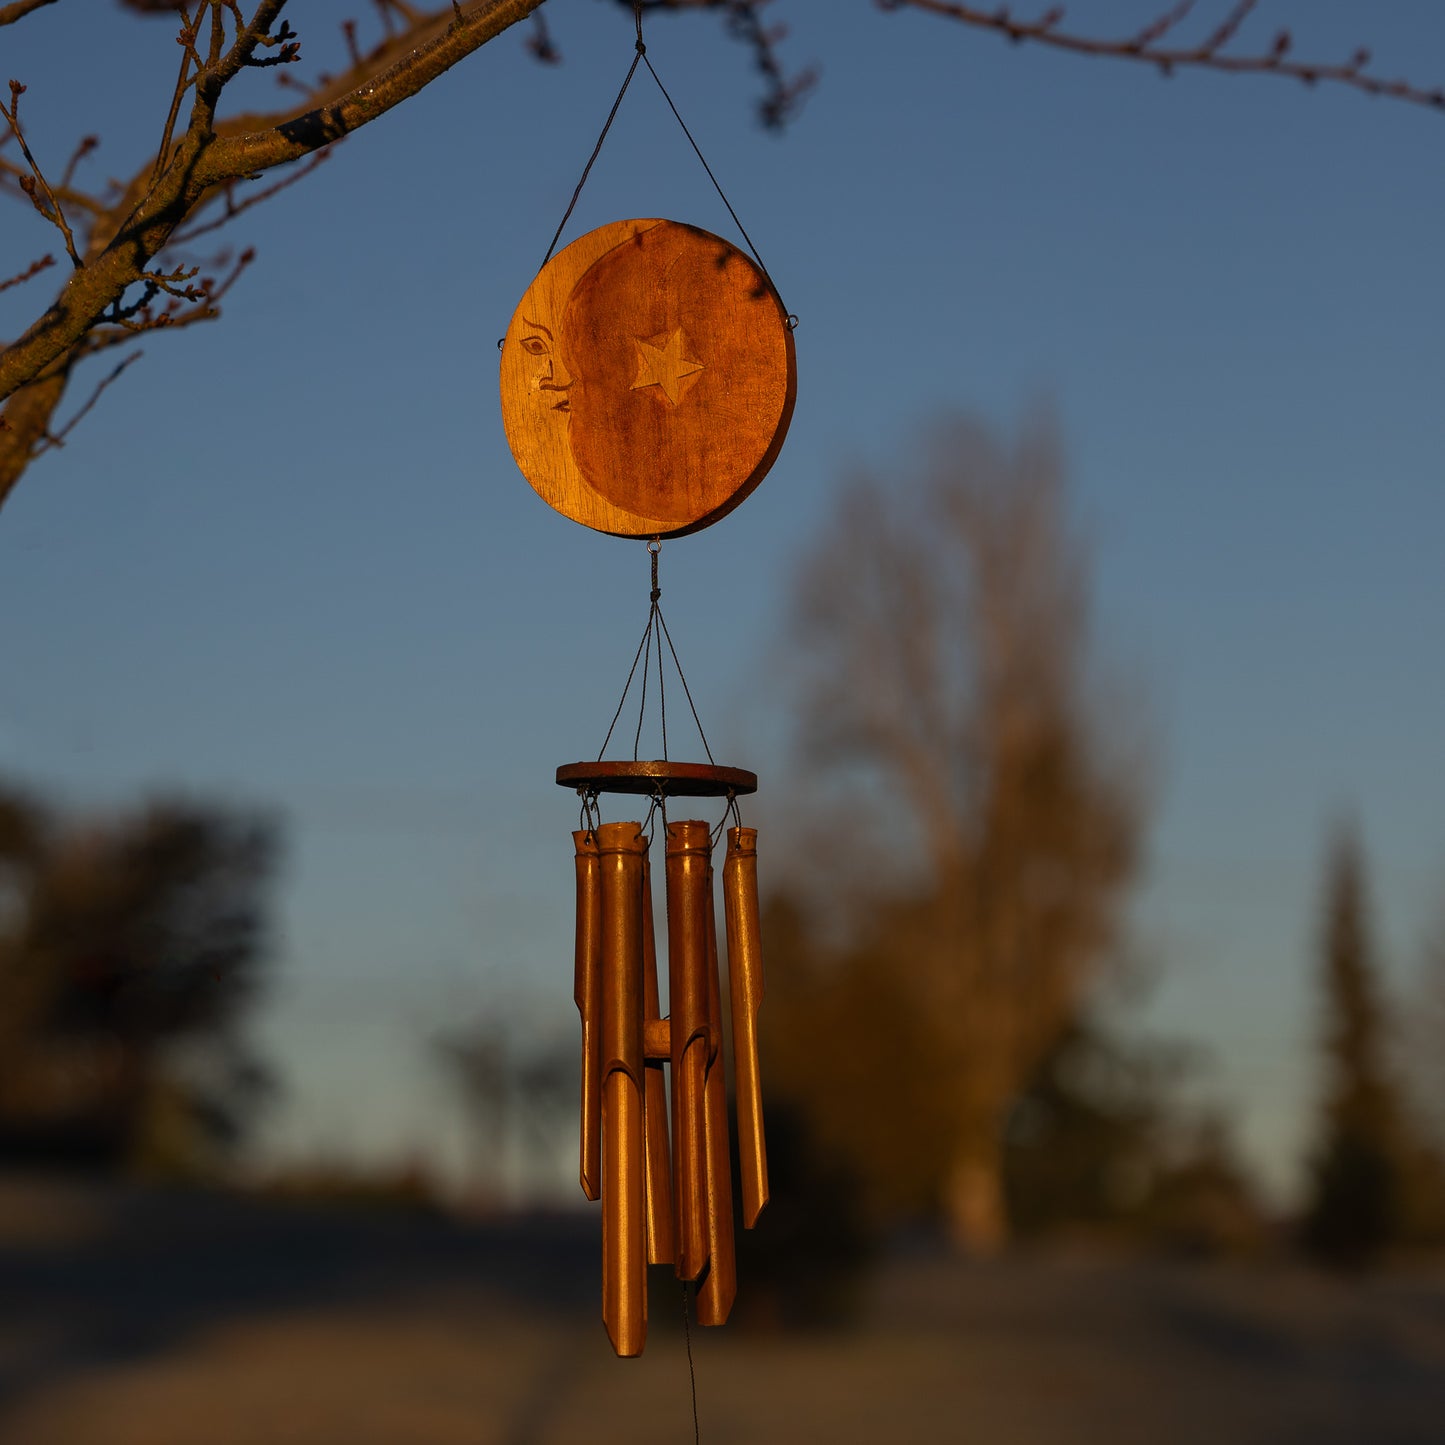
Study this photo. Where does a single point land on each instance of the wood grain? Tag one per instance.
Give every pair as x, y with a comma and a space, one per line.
647, 379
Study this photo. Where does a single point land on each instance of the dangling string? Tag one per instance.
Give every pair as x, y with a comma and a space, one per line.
640, 57
691, 1373
607, 126
653, 636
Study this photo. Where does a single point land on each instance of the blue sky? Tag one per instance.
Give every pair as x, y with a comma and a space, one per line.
288, 559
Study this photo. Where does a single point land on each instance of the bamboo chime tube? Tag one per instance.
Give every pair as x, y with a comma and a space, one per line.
621, 849
719, 1286
654, 1103
745, 982
689, 849
586, 990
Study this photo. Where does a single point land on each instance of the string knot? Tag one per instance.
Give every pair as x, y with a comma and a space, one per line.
641, 48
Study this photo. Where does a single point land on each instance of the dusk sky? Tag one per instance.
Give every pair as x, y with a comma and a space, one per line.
288, 561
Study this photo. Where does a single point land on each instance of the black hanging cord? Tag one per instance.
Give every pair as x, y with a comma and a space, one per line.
691, 1373
641, 57
698, 153
653, 636
597, 149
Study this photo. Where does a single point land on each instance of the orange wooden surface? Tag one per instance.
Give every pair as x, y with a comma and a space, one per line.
647, 379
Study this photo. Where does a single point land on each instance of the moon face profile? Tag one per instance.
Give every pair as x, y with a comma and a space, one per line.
647, 379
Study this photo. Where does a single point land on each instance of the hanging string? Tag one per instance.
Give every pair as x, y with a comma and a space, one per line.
691, 1372
597, 149
654, 634
654, 550
640, 57
698, 153
591, 815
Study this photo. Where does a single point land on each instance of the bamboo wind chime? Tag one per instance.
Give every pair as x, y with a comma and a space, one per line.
662, 1171
666, 1200
647, 381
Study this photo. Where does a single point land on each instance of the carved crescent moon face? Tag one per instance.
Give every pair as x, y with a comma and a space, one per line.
647, 379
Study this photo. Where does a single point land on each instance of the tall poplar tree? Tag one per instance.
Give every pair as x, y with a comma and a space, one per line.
1356, 1185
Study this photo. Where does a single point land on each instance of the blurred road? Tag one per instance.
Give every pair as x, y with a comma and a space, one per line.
130, 1317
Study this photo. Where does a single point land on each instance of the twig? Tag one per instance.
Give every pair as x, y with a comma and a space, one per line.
187, 41
1157, 29
232, 210
540, 42
76, 200
33, 269
1206, 56
35, 179
87, 144
784, 95
57, 438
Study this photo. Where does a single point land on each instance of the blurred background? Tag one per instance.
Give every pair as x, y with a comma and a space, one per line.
1084, 638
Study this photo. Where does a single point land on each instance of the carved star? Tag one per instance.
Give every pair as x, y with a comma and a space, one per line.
663, 361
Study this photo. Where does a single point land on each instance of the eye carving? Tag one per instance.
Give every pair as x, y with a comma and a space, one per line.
535, 346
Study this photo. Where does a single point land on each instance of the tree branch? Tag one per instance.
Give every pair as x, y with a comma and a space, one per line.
784, 94
33, 269
57, 438
1209, 55
237, 150
452, 37
35, 185
19, 9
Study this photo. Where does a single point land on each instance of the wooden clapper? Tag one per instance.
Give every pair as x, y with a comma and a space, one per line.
647, 382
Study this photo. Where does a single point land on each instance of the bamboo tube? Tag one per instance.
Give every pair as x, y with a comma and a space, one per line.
621, 848
654, 1103
745, 983
719, 1286
689, 848
586, 990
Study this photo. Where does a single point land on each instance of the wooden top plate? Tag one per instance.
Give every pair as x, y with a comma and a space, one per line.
680, 780
648, 378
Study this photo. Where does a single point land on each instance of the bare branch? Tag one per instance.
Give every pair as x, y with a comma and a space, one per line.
57, 438
784, 94
234, 208
87, 144
1210, 55
440, 41
35, 185
19, 9
181, 286
33, 269
540, 42
222, 66
205, 161
187, 42
13, 175
1158, 28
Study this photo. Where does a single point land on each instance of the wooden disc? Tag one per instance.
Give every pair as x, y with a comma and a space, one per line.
680, 780
648, 378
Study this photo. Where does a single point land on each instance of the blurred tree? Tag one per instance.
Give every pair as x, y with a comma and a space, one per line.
1101, 1139
520, 1096
134, 266
1428, 1035
1423, 1210
1356, 1192
941, 655
1096, 1139
129, 952
1085, 1137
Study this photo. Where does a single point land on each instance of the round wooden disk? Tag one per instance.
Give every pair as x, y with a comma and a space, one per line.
648, 379
675, 780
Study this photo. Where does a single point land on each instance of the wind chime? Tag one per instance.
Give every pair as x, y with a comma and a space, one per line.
647, 381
